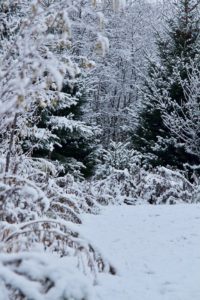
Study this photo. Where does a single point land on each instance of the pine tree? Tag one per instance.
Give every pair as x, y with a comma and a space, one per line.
177, 50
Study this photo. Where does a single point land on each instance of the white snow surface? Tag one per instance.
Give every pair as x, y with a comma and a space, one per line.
156, 250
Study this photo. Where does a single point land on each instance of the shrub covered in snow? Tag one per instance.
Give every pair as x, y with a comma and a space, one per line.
37, 276
123, 177
165, 186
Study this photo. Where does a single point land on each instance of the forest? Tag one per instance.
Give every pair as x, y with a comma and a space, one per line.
99, 119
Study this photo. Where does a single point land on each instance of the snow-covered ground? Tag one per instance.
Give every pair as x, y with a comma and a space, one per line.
156, 250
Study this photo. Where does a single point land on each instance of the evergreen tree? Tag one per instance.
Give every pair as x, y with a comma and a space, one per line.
59, 134
177, 50
55, 130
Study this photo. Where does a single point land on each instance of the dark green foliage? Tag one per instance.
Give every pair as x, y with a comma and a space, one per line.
71, 146
162, 88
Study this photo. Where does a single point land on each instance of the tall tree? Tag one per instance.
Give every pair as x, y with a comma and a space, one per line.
177, 47
52, 125
183, 120
115, 80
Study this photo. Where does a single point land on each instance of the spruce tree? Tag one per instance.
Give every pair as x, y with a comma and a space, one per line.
178, 48
58, 134
55, 129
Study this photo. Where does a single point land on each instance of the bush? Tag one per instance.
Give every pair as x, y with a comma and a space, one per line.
124, 177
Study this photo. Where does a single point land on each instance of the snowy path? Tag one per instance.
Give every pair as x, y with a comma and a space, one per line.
156, 250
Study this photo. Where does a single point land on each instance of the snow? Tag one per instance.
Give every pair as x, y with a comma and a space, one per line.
102, 45
28, 274
156, 250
